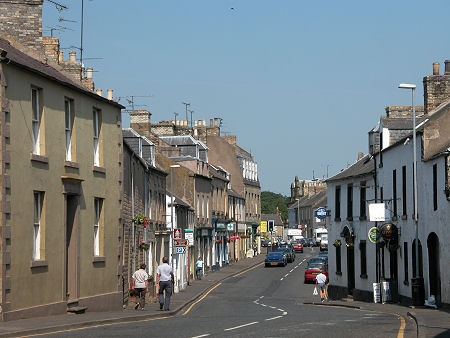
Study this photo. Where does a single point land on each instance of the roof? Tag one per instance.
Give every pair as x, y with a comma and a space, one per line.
398, 123
16, 57
233, 193
272, 217
178, 201
362, 167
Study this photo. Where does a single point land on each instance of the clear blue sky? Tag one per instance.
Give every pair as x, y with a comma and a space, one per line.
299, 82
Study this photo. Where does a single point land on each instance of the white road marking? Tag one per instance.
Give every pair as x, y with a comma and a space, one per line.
203, 335
281, 278
261, 297
350, 320
263, 305
286, 275
291, 270
274, 318
280, 310
272, 307
284, 313
238, 327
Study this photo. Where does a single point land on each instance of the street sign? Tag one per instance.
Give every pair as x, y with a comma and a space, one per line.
189, 235
373, 234
321, 213
176, 233
180, 242
180, 249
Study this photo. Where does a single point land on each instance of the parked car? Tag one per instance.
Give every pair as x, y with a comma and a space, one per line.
313, 270
310, 242
275, 258
265, 242
290, 255
297, 246
323, 254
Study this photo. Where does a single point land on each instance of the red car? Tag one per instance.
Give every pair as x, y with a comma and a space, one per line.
313, 270
297, 246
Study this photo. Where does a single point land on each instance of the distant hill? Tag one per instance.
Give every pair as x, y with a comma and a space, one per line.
270, 201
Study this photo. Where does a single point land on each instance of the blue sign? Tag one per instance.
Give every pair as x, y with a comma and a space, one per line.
180, 249
321, 213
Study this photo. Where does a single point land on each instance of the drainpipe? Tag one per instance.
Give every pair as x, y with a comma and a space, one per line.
132, 213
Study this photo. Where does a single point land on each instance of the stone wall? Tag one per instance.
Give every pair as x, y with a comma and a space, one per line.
21, 21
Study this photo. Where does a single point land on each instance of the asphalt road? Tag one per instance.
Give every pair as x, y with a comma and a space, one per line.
263, 302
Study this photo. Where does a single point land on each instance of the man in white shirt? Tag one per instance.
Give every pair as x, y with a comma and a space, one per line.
321, 279
140, 281
199, 268
164, 280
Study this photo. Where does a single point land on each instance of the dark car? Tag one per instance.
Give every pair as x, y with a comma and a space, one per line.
318, 259
323, 254
297, 246
313, 270
275, 258
290, 255
309, 241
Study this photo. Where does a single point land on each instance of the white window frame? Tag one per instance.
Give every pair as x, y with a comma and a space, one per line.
68, 128
37, 195
97, 214
35, 121
95, 121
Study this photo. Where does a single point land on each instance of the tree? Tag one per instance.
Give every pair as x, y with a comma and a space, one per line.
270, 201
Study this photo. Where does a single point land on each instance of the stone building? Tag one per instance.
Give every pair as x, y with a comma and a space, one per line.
62, 179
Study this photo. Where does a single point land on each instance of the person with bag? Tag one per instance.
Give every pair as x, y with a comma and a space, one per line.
140, 282
321, 279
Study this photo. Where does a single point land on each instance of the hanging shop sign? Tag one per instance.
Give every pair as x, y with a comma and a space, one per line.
373, 234
389, 231
320, 213
263, 225
189, 235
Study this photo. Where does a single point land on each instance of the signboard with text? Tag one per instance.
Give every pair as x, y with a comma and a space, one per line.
263, 225
189, 235
176, 233
180, 242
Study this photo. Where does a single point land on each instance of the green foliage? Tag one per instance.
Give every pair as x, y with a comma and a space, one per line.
270, 201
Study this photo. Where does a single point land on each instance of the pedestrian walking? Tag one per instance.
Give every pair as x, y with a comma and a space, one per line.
321, 279
255, 249
140, 282
199, 268
164, 281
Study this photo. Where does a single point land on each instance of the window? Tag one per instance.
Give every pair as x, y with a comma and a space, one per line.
68, 126
149, 204
394, 191
207, 207
362, 249
38, 199
338, 259
96, 124
362, 201
405, 263
337, 203
97, 213
435, 206
36, 120
350, 202
404, 191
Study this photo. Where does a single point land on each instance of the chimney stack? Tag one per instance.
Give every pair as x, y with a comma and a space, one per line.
360, 155
436, 88
99, 91
89, 71
109, 94
447, 67
60, 56
435, 68
72, 56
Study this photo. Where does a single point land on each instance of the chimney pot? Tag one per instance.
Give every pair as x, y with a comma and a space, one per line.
99, 91
435, 68
447, 67
360, 155
61, 56
72, 56
109, 94
89, 72
195, 123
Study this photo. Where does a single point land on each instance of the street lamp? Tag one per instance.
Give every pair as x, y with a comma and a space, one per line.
416, 282
298, 211
171, 219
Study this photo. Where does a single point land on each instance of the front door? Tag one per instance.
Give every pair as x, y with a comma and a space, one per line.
72, 262
434, 266
351, 268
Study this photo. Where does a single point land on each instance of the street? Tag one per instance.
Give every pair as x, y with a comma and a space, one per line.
261, 302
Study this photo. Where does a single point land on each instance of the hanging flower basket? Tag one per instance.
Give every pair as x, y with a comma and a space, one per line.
218, 241
228, 240
144, 245
337, 243
245, 236
141, 219
349, 244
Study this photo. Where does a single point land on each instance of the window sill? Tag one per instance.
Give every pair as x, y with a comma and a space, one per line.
363, 218
337, 219
339, 273
39, 158
39, 264
364, 276
71, 164
99, 169
404, 217
99, 259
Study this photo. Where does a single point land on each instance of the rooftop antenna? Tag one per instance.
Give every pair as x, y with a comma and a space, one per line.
175, 114
186, 106
191, 111
58, 6
130, 99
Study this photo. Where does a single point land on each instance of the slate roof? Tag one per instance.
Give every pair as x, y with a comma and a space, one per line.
233, 193
363, 167
22, 60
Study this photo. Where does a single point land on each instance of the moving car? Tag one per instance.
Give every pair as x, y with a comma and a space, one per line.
310, 242
297, 246
324, 243
290, 255
318, 259
275, 258
313, 270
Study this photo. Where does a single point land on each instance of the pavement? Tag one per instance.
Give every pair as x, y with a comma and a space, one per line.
429, 322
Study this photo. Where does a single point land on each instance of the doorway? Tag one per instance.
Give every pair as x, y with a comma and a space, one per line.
71, 248
434, 266
351, 268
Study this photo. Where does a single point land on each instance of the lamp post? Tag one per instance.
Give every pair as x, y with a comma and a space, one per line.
298, 212
417, 281
171, 220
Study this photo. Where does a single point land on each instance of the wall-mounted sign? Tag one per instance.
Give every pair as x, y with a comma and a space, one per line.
377, 212
176, 233
373, 234
321, 213
180, 242
189, 235
263, 225
230, 227
389, 231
